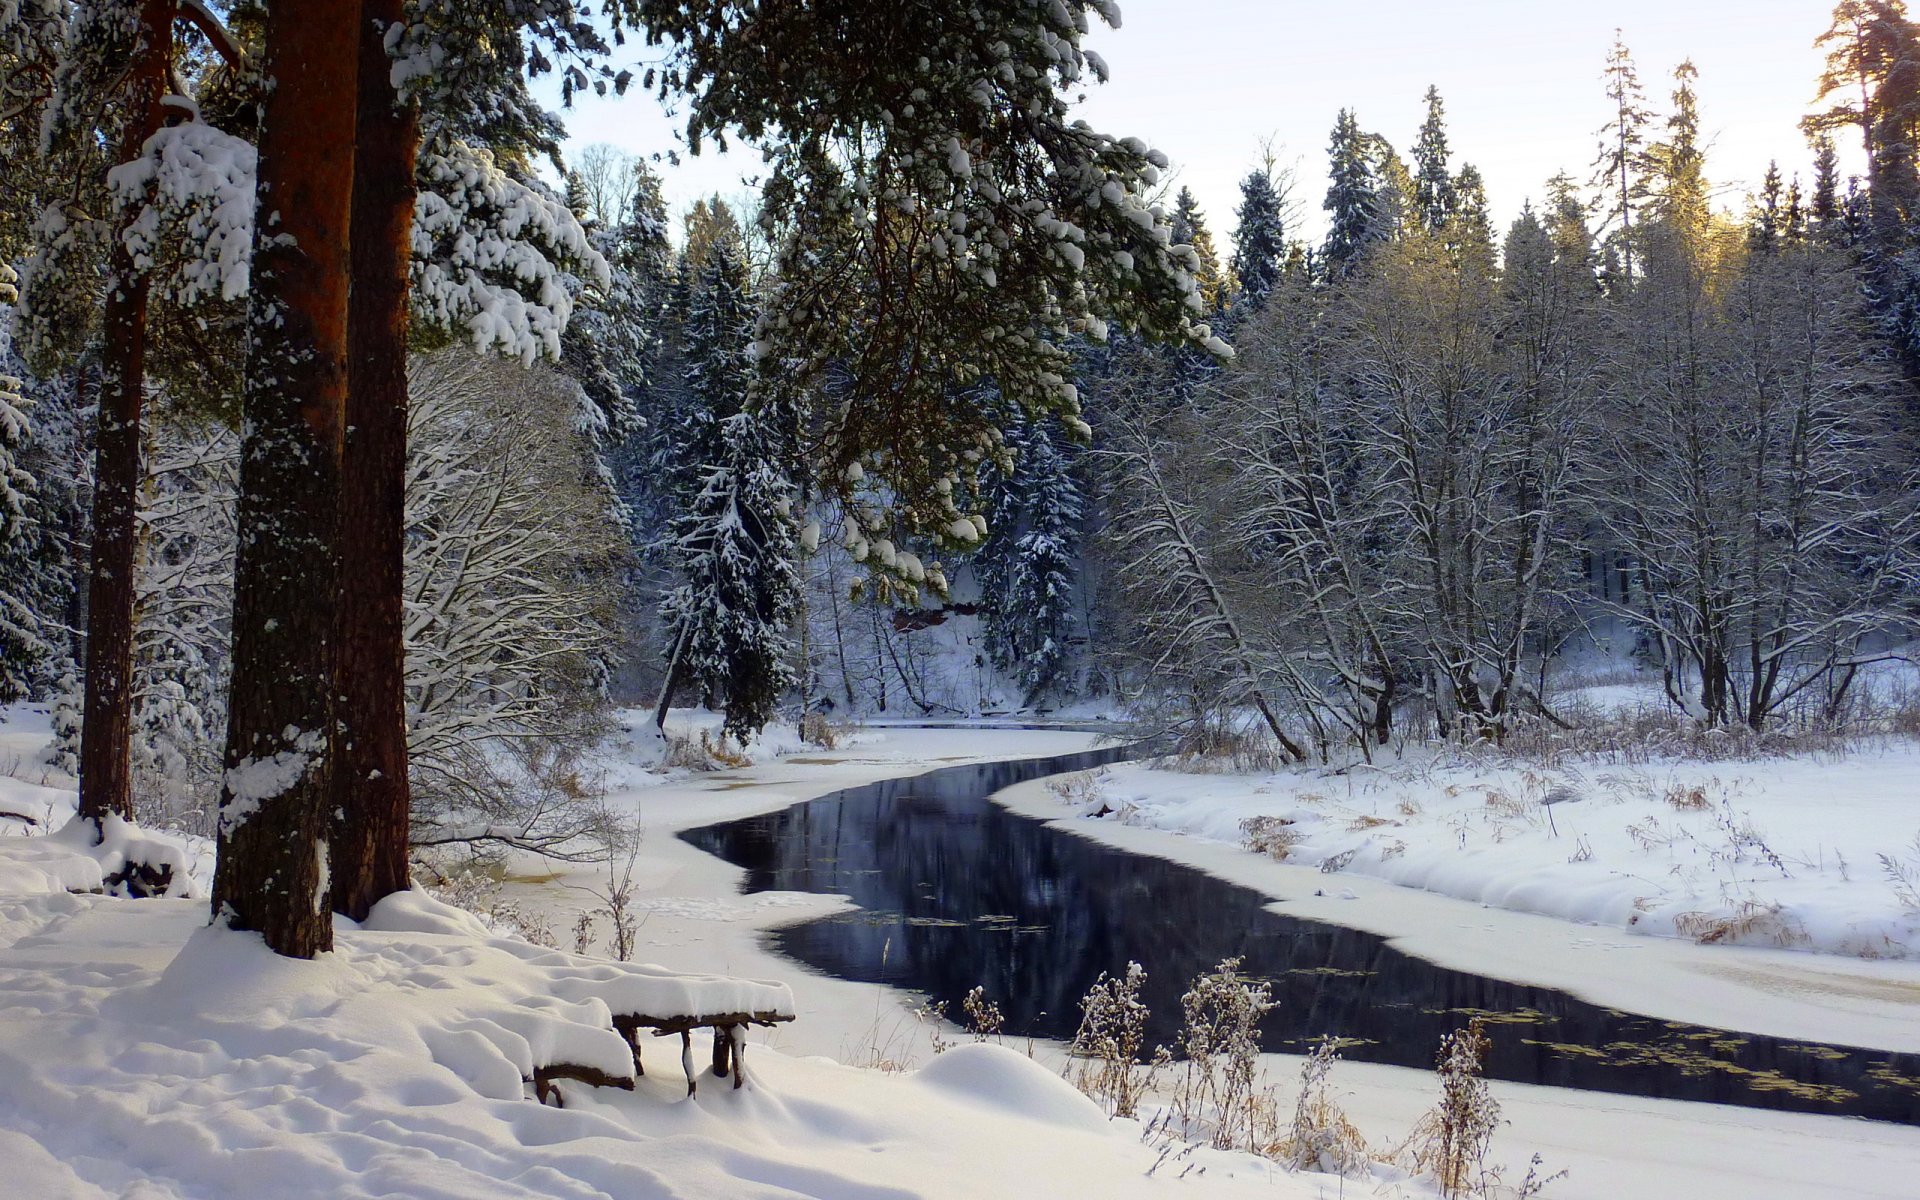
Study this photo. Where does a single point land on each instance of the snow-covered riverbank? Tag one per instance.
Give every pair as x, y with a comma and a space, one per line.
1498, 862
133, 1063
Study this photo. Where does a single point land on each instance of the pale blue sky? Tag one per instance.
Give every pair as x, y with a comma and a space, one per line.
1207, 80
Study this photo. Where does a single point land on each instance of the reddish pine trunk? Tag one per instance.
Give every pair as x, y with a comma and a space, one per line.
371, 796
106, 775
272, 871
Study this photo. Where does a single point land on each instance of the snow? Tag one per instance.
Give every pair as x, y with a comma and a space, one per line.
1755, 988
42, 850
193, 185
146, 1054
1785, 853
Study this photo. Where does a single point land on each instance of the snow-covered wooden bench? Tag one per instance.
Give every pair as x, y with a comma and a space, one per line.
553, 1016
648, 999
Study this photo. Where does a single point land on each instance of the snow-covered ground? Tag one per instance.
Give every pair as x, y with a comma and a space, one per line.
1817, 854
141, 1056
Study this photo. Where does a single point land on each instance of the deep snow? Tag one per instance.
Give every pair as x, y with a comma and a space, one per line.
143, 1056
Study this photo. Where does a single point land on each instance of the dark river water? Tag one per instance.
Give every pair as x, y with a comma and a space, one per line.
955, 891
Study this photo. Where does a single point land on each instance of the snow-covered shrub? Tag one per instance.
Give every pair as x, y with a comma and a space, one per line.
1321, 1137
511, 571
1108, 1045
1272, 836
1451, 1141
984, 1018
1220, 1039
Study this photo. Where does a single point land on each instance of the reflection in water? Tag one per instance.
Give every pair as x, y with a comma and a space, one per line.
954, 891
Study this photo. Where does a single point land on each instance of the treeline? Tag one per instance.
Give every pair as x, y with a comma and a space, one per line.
258, 257
1439, 460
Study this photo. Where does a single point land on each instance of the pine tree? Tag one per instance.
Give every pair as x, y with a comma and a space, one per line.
1824, 207
1260, 240
271, 872
1190, 228
1678, 162
1353, 202
1872, 75
1468, 233
1863, 44
1029, 565
1434, 189
978, 228
742, 591
1618, 170
24, 646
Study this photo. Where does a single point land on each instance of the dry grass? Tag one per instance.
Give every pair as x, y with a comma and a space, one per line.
703, 754
1321, 1138
1450, 1143
816, 730
1750, 922
1274, 837
1079, 788
1688, 799
1361, 823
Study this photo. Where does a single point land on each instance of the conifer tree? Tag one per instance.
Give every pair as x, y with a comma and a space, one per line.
1190, 228
1617, 173
1768, 225
1260, 240
1353, 201
1394, 214
719, 380
1029, 564
23, 643
967, 233
1468, 233
1434, 189
742, 588
271, 874
1678, 162
1824, 207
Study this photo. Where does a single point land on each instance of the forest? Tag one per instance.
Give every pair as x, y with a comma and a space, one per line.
564, 452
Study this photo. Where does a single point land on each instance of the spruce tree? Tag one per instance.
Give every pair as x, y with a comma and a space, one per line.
1260, 240
719, 374
24, 646
1678, 162
1190, 228
742, 589
1394, 212
1029, 565
1468, 233
1434, 194
1824, 207
1353, 201
1618, 171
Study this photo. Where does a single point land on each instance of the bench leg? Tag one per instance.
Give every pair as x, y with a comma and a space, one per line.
722, 1049
686, 1058
633, 1043
737, 1035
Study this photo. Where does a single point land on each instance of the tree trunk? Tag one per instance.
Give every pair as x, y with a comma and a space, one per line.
672, 680
372, 799
106, 723
272, 872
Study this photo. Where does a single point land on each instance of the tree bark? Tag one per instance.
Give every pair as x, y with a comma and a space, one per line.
272, 872
372, 798
106, 723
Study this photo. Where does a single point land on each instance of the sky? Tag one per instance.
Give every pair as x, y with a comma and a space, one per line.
1210, 81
